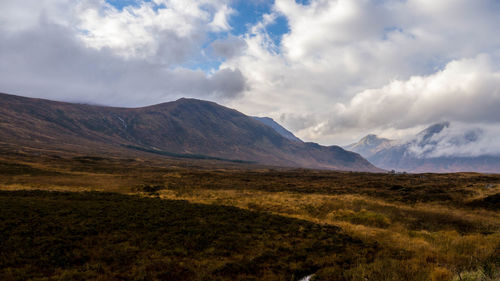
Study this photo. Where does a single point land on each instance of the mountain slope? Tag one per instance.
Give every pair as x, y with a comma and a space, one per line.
422, 152
278, 128
186, 127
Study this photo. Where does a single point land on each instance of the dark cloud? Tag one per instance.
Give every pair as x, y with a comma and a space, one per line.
49, 61
227, 83
229, 47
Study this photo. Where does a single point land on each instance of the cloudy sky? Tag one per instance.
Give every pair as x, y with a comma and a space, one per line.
331, 71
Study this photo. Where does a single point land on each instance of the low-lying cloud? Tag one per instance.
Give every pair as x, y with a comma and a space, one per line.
458, 140
466, 90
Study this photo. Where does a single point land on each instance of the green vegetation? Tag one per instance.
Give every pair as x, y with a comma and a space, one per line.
184, 155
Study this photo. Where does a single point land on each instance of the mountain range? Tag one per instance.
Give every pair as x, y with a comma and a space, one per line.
425, 151
186, 128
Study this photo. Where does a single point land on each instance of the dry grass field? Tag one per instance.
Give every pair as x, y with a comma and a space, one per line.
361, 226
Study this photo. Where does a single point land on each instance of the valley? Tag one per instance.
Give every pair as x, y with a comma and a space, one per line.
232, 140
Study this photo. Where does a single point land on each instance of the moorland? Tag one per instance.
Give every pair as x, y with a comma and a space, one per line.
81, 217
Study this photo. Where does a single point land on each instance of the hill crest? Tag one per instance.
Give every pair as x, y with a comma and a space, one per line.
185, 127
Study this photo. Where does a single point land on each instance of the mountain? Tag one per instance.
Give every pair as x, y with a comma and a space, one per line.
438, 148
186, 128
278, 128
369, 145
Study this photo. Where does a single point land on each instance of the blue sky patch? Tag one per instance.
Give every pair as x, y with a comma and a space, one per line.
120, 4
303, 2
277, 29
247, 13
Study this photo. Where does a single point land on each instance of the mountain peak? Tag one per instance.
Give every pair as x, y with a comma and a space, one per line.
185, 128
191, 101
369, 145
188, 100
371, 139
436, 149
434, 129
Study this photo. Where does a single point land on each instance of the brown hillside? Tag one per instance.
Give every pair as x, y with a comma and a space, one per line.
183, 128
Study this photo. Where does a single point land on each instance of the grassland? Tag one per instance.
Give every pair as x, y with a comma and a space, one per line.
241, 222
107, 236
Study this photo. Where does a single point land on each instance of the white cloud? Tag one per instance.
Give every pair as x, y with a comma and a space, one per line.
167, 30
458, 140
336, 50
220, 19
345, 69
131, 57
466, 90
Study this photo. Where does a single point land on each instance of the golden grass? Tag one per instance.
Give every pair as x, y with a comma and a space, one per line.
423, 224
60, 188
445, 252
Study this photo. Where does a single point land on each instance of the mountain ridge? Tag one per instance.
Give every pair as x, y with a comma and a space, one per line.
369, 145
420, 153
278, 128
183, 127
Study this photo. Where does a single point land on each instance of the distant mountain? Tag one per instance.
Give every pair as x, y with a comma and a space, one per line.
425, 137
186, 128
425, 152
369, 145
278, 128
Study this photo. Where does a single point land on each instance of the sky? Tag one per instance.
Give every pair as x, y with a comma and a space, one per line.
331, 71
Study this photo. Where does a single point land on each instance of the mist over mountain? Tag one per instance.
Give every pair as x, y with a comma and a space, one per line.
442, 147
370, 145
184, 128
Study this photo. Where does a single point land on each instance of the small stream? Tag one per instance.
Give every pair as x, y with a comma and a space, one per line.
307, 278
